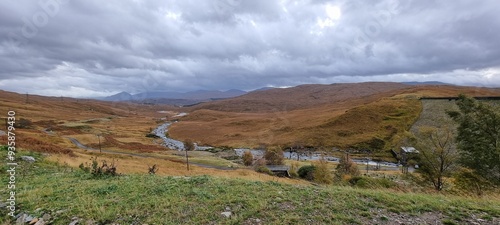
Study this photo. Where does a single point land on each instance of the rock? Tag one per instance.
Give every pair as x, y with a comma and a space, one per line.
228, 208
46, 217
74, 221
23, 219
226, 214
28, 158
40, 222
33, 221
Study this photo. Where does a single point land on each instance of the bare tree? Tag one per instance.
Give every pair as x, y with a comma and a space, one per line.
438, 155
188, 146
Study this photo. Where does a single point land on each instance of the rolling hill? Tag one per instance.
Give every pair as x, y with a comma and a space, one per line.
364, 116
371, 116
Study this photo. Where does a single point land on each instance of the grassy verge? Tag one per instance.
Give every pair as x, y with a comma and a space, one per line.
46, 187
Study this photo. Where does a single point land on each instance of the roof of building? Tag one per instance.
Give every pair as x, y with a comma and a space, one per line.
409, 150
278, 167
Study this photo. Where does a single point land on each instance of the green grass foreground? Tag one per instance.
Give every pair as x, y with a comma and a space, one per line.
65, 193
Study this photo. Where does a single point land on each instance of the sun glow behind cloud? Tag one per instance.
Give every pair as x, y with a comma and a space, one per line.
333, 14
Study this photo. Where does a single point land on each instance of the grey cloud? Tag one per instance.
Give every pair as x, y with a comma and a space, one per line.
224, 44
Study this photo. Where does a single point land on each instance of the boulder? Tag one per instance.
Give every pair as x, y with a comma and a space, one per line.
29, 159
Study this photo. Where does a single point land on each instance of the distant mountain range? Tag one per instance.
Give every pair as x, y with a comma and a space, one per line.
426, 83
195, 97
175, 98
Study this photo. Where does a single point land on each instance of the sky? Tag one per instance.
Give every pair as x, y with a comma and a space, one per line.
91, 48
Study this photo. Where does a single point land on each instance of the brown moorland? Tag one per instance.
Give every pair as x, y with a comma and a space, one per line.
367, 115
374, 116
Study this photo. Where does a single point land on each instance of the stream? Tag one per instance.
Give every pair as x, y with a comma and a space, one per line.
168, 142
315, 156
179, 145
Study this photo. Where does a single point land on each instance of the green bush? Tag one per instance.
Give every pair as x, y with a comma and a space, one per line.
307, 172
368, 182
322, 174
263, 169
468, 182
293, 170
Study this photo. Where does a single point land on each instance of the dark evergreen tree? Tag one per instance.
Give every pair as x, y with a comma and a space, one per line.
479, 136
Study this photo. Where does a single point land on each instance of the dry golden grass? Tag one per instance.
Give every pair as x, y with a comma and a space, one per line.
372, 115
136, 165
330, 125
321, 115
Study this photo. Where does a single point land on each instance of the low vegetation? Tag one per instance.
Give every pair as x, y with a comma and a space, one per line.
247, 158
274, 156
99, 170
67, 194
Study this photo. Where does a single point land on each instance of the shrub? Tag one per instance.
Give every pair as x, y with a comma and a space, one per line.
98, 171
23, 123
247, 158
367, 182
152, 170
306, 172
346, 167
274, 156
467, 181
322, 174
293, 170
263, 169
150, 135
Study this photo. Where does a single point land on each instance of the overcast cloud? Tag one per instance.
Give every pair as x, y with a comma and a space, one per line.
97, 48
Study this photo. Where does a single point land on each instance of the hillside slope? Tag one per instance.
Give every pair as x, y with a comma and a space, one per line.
303, 97
69, 196
368, 115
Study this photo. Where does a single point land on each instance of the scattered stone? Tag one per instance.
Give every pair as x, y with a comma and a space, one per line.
33, 221
74, 221
46, 217
228, 208
226, 214
60, 211
29, 159
90, 222
252, 221
23, 218
40, 222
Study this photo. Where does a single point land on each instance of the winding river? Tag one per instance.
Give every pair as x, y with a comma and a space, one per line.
168, 142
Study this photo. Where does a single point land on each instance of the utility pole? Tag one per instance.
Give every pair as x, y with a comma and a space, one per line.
367, 160
187, 159
99, 137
